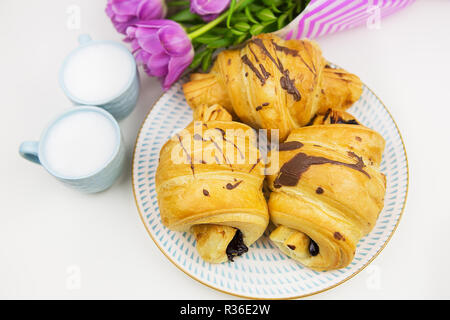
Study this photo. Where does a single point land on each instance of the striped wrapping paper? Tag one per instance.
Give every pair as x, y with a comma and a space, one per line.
322, 17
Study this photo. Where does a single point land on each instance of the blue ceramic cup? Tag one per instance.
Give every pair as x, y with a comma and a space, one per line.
101, 177
123, 98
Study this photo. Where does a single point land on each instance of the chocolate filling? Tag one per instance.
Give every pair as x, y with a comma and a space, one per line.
236, 247
313, 248
339, 120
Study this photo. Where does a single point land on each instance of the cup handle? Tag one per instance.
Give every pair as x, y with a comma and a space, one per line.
84, 38
29, 150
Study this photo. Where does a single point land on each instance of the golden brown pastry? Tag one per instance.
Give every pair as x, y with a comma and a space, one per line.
214, 186
328, 192
272, 83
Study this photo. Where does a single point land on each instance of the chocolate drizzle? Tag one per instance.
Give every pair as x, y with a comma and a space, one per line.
198, 137
338, 236
286, 82
230, 142
254, 165
285, 50
292, 170
265, 104
236, 247
231, 186
247, 61
290, 145
294, 53
223, 155
264, 72
188, 156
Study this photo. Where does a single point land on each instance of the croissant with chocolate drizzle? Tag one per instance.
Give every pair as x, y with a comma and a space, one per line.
272, 83
328, 192
209, 182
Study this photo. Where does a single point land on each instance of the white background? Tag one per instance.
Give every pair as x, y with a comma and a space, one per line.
50, 234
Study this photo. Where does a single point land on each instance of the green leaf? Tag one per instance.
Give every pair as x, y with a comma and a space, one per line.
220, 43
255, 7
206, 60
218, 30
198, 59
275, 9
239, 17
241, 26
244, 4
207, 38
281, 21
272, 2
267, 23
185, 16
256, 29
240, 39
266, 15
249, 15
237, 32
232, 5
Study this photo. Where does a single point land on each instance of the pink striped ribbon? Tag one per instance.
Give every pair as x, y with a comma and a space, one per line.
322, 17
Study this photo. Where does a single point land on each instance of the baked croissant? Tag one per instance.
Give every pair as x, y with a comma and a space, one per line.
328, 192
215, 192
271, 83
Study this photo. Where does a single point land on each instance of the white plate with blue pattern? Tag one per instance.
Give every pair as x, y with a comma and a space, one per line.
263, 272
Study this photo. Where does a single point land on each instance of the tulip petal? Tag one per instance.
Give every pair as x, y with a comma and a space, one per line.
149, 41
125, 7
176, 67
208, 7
149, 10
158, 64
175, 40
124, 13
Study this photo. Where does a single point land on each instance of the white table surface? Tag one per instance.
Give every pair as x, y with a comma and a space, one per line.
57, 243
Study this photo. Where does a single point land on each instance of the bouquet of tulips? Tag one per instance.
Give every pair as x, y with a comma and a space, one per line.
168, 37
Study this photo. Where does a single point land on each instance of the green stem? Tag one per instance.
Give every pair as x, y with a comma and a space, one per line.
213, 23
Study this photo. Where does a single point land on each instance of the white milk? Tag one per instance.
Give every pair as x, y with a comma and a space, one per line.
98, 72
79, 144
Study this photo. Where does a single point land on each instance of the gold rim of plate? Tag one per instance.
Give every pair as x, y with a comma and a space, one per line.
284, 298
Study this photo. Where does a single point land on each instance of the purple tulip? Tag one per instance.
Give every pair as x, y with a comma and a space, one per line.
209, 9
124, 13
163, 47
